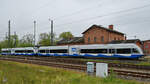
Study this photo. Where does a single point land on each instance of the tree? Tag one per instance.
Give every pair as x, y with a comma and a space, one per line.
27, 41
45, 39
66, 35
13, 42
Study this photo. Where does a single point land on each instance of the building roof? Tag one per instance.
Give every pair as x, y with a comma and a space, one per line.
145, 40
107, 29
72, 40
125, 41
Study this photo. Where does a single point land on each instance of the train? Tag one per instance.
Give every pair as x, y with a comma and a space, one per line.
131, 51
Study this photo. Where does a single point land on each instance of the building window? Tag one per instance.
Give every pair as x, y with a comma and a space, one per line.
95, 39
102, 38
146, 46
115, 38
89, 39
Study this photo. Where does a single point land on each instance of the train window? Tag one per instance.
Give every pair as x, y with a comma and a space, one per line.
29, 51
111, 50
42, 51
124, 51
59, 51
20, 51
7, 51
47, 51
134, 50
93, 50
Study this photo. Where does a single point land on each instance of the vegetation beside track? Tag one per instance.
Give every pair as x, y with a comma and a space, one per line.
132, 62
142, 63
19, 73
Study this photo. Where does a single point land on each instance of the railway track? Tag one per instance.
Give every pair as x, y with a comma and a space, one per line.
81, 62
79, 67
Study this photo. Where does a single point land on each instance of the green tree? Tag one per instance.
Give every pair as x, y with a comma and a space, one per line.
66, 35
13, 42
27, 41
45, 39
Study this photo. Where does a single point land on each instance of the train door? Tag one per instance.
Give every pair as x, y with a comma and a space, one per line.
12, 51
112, 52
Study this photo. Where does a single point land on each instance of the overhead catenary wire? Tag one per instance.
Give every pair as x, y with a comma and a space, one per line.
109, 14
77, 12
80, 11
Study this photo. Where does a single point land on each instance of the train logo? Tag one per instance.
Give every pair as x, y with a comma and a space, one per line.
74, 49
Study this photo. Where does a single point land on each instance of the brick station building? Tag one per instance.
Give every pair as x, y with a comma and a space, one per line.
96, 34
100, 35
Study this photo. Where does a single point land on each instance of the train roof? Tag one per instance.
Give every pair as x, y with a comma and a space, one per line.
54, 47
25, 48
3, 49
107, 46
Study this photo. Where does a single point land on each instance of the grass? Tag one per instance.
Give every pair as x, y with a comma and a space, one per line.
19, 73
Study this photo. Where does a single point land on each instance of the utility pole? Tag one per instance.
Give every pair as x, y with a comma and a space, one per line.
15, 37
34, 33
52, 37
6, 37
135, 36
9, 34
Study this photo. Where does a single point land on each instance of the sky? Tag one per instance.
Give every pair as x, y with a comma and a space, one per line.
128, 16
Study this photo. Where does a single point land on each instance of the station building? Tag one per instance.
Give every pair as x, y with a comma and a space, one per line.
100, 35
95, 34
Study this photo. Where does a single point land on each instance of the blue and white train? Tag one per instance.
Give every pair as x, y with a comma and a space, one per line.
95, 50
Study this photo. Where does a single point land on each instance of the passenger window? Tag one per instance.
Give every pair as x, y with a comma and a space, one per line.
124, 51
6, 51
47, 51
93, 51
29, 51
59, 51
42, 51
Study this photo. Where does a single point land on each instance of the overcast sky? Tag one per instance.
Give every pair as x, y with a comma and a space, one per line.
128, 16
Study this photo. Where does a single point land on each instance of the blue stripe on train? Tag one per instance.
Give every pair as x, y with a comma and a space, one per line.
39, 54
77, 55
113, 56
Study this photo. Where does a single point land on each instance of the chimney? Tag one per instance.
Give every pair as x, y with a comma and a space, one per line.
111, 27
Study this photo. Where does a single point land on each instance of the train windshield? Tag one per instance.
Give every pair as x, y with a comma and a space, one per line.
135, 50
